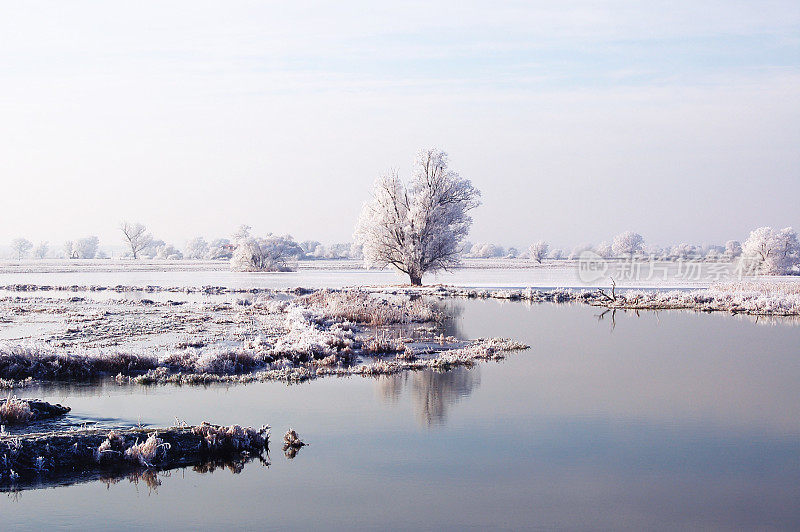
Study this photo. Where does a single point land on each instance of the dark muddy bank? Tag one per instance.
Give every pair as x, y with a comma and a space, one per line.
22, 411
36, 460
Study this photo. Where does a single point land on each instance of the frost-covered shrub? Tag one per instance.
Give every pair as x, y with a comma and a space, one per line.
259, 255
220, 249
578, 250
212, 360
604, 250
20, 362
309, 247
538, 250
684, 251
485, 250
627, 243
41, 250
370, 309
85, 248
307, 339
733, 249
267, 254
168, 252
196, 248
777, 252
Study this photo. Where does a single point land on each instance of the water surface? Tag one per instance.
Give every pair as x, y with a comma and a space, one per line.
662, 420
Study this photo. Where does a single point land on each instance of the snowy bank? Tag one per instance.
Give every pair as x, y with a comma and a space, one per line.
326, 332
20, 411
72, 456
762, 298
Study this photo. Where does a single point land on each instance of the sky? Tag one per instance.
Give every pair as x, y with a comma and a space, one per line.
577, 120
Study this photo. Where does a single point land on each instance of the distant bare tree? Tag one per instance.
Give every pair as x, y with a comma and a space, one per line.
69, 250
136, 236
197, 248
21, 247
41, 250
83, 248
539, 250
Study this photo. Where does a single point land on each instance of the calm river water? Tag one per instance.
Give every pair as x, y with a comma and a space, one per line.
658, 420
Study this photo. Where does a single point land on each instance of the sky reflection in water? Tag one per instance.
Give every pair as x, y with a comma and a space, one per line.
666, 420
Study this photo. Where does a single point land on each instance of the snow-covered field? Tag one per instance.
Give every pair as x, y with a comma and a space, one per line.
756, 298
474, 273
273, 336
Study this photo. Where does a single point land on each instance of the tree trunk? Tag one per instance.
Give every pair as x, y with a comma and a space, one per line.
416, 280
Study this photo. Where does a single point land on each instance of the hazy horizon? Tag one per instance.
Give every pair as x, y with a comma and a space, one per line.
678, 120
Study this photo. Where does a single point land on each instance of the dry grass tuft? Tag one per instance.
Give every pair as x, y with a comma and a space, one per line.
151, 451
370, 309
14, 411
233, 438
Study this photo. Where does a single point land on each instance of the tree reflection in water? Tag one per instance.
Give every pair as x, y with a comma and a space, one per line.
432, 392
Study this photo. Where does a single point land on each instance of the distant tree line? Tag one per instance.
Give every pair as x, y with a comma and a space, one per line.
418, 226
776, 251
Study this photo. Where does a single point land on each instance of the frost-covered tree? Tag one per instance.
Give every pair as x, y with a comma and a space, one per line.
242, 233
136, 236
69, 249
41, 250
293, 250
485, 250
604, 250
733, 248
539, 250
418, 227
151, 250
512, 253
557, 254
196, 248
21, 247
168, 252
334, 251
684, 251
578, 250
356, 251
708, 248
627, 243
268, 254
309, 247
85, 248
777, 252
220, 249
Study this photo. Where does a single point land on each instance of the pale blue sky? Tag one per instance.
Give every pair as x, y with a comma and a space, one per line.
578, 120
